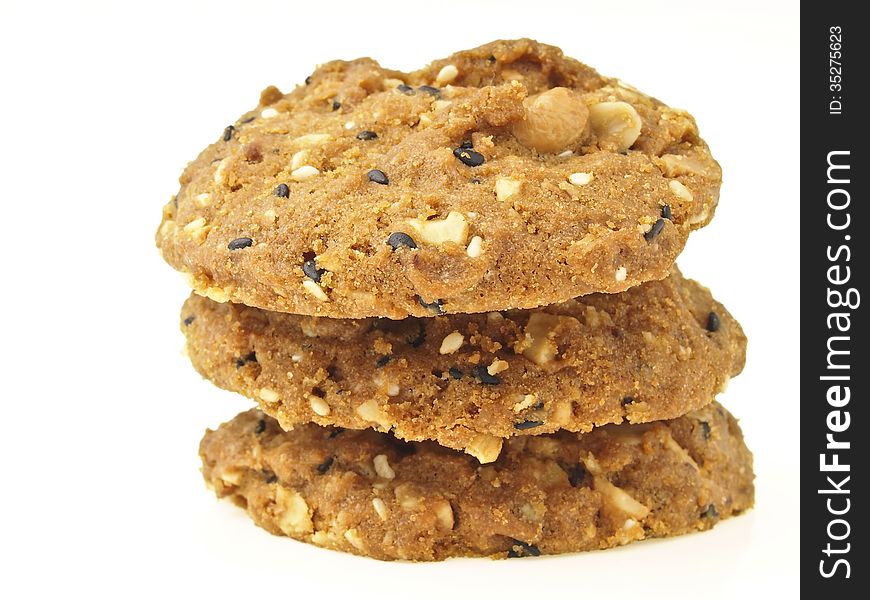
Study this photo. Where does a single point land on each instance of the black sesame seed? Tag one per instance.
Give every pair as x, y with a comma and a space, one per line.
469, 157
248, 120
382, 361
282, 191
710, 512
228, 133
666, 212
522, 550
188, 320
576, 475
309, 267
405, 89
713, 322
366, 135
336, 105
271, 477
628, 400
400, 239
318, 392
455, 373
705, 429
527, 425
466, 145
324, 466
335, 432
490, 58
475, 180
239, 243
308, 80
378, 176
432, 91
655, 230
261, 426
482, 375
436, 307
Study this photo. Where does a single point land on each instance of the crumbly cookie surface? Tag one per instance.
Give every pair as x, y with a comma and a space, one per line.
367, 493
467, 381
507, 176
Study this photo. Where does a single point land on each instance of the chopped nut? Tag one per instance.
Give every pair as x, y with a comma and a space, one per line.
319, 406
381, 508
407, 496
506, 188
219, 171
497, 366
313, 288
621, 274
295, 516
383, 468
528, 400
444, 515
554, 120
453, 228
269, 215
579, 178
354, 539
475, 247
196, 229
484, 447
202, 200
615, 497
231, 476
268, 395
451, 343
304, 172
370, 411
541, 328
680, 191
616, 124
446, 75
393, 390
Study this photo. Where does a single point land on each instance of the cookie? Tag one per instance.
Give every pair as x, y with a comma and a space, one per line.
367, 493
467, 381
507, 176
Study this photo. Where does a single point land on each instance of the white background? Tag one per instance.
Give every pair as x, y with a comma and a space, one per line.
101, 106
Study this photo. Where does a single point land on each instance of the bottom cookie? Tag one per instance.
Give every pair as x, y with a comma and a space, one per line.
368, 493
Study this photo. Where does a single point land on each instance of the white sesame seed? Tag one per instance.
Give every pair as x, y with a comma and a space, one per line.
304, 172
349, 125
202, 200
497, 367
315, 290
383, 468
579, 178
621, 274
269, 113
319, 406
451, 343
475, 247
393, 390
446, 75
566, 154
298, 159
268, 395
381, 508
312, 139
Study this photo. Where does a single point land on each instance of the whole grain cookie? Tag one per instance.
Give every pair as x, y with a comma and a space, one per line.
653, 352
507, 176
368, 493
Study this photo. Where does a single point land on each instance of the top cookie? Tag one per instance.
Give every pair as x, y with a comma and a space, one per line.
507, 176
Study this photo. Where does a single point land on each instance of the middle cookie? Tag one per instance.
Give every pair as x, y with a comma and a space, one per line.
654, 352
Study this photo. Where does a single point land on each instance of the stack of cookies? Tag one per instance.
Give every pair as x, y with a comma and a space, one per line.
452, 294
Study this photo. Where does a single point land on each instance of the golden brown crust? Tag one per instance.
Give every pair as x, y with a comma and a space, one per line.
466, 380
524, 232
367, 493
